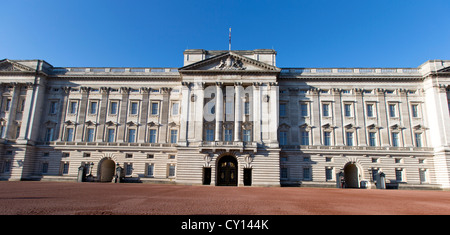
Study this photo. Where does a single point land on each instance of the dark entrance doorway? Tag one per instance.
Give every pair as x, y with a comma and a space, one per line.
351, 176
227, 171
248, 177
206, 176
107, 168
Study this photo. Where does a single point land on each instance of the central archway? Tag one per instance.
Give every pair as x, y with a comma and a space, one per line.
107, 168
227, 171
351, 176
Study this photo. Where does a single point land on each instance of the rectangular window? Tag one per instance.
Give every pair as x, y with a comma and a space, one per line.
2, 131
304, 139
173, 136
175, 108
69, 134
283, 172
392, 112
73, 105
113, 107
171, 170
49, 134
209, 135
93, 107
394, 139
306, 173
128, 168
134, 108
399, 175
283, 137
326, 138
282, 110
328, 174
349, 136
152, 138
90, 135
228, 135
65, 169
150, 170
418, 137
247, 108
45, 168
8, 105
304, 110
53, 107
326, 110
372, 139
415, 110
423, 175
348, 110
246, 135
111, 135
131, 135
369, 108
155, 108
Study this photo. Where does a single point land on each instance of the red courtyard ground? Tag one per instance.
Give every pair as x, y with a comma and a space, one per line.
50, 198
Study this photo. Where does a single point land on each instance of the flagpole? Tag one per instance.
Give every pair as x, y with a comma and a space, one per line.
229, 41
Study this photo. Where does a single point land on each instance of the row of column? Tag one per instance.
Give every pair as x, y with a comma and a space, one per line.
263, 110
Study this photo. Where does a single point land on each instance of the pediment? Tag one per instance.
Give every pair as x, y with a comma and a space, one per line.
229, 62
444, 70
11, 66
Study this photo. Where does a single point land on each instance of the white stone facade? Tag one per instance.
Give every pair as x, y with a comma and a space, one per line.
227, 118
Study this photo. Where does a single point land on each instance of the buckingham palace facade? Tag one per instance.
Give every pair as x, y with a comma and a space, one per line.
229, 118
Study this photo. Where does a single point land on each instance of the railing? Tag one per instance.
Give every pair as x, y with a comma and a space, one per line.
350, 71
370, 148
83, 70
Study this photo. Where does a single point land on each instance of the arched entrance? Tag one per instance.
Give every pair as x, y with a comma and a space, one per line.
227, 169
351, 176
107, 169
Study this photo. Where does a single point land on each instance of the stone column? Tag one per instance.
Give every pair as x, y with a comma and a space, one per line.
10, 131
164, 117
405, 117
382, 117
122, 127
274, 114
337, 115
26, 113
143, 129
185, 96
238, 111
199, 107
82, 111
219, 111
65, 98
102, 112
315, 117
256, 112
359, 118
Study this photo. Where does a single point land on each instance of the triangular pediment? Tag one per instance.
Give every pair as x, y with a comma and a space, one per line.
230, 62
444, 70
11, 66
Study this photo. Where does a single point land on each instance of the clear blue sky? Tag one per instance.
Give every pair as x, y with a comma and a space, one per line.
319, 33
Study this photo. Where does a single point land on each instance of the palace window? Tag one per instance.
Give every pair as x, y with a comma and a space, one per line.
326, 110
128, 168
399, 175
49, 134
247, 108
418, 139
372, 139
113, 107
173, 136
304, 138
155, 108
283, 137
73, 105
415, 110
392, 110
228, 135
93, 107
307, 173
69, 134
282, 110
134, 108
175, 108
246, 135
349, 139
394, 139
326, 138
348, 110
209, 135
329, 174
8, 104
111, 133
304, 109
369, 109
171, 170
90, 135
150, 170
152, 138
53, 107
131, 135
